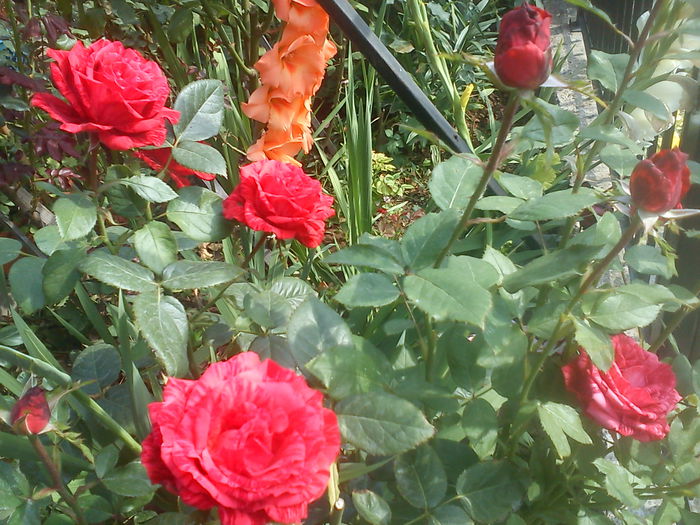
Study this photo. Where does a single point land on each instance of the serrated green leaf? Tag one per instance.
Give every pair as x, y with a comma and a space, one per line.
427, 237
118, 272
155, 245
480, 425
555, 205
267, 308
151, 189
421, 478
453, 182
188, 275
198, 213
560, 421
200, 157
489, 490
130, 480
361, 255
648, 260
26, 280
76, 216
99, 363
367, 289
382, 424
60, 274
597, 344
201, 107
647, 102
371, 507
163, 323
9, 250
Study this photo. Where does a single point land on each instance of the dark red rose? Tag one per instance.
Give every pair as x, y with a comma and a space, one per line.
158, 158
111, 91
633, 397
523, 56
249, 437
33, 409
660, 182
280, 198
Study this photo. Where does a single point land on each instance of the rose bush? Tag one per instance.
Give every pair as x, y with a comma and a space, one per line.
249, 437
660, 182
111, 91
633, 398
523, 56
279, 198
160, 158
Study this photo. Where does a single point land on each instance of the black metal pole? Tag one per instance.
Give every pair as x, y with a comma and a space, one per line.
365, 41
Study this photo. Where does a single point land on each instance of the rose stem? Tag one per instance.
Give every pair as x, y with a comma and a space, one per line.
56, 478
493, 164
257, 246
674, 322
337, 512
588, 281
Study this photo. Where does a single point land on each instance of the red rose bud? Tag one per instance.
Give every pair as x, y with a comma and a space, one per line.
659, 183
523, 57
33, 408
632, 398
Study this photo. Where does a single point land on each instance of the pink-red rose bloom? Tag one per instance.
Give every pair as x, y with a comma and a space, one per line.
159, 158
247, 437
34, 409
660, 182
279, 198
632, 398
523, 56
110, 91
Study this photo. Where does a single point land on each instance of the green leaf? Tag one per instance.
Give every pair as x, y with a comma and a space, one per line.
647, 102
551, 120
448, 515
163, 322
606, 68
313, 328
118, 272
478, 270
201, 107
519, 186
155, 245
560, 421
345, 372
617, 481
445, 293
427, 237
188, 275
554, 266
367, 289
273, 347
504, 204
490, 490
61, 274
198, 213
371, 507
151, 189
9, 250
294, 290
453, 182
555, 205
480, 425
99, 363
596, 343
420, 477
25, 280
361, 255
200, 157
626, 307
610, 135
382, 424
76, 215
267, 309
649, 260
619, 159
130, 480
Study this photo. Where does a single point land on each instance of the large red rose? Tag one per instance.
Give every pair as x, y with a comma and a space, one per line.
633, 397
523, 56
660, 182
111, 91
248, 437
280, 198
160, 158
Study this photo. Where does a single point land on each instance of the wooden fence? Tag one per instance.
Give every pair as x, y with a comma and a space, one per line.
598, 35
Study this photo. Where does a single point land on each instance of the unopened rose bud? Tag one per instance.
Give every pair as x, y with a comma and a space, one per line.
660, 182
523, 56
34, 409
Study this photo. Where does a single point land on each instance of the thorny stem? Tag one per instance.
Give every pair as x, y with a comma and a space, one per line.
491, 167
56, 478
255, 249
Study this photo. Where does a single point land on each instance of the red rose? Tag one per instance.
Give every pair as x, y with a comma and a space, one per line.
249, 437
633, 397
158, 158
659, 183
523, 57
34, 409
280, 198
111, 91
